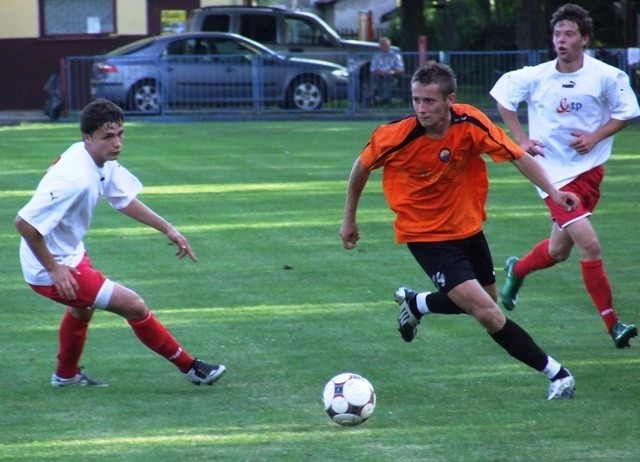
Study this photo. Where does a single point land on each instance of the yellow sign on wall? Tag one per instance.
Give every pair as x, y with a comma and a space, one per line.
173, 21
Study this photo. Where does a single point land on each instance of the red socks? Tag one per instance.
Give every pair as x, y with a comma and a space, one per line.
156, 337
597, 284
72, 335
593, 275
535, 260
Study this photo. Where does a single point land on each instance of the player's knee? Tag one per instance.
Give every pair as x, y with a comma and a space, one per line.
131, 307
591, 250
137, 310
83, 314
490, 317
559, 254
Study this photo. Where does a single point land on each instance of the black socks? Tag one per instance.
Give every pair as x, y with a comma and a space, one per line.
515, 340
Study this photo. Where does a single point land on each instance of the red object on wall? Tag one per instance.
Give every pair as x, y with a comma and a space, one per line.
365, 26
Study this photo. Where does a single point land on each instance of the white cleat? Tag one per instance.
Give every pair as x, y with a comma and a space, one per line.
562, 388
202, 373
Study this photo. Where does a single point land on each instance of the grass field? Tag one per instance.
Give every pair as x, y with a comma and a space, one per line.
276, 299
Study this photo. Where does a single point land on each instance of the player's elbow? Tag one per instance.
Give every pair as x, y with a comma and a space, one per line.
23, 227
18, 222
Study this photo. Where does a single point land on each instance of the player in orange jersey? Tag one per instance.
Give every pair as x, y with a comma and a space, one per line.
436, 183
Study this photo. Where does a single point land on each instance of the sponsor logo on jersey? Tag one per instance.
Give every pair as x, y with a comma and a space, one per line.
568, 106
571, 84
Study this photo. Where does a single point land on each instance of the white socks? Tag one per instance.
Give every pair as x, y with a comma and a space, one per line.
553, 367
421, 302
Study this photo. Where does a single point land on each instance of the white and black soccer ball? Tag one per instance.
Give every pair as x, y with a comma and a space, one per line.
349, 399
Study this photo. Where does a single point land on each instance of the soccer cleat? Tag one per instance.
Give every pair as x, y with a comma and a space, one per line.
622, 333
203, 373
407, 321
512, 284
562, 388
79, 380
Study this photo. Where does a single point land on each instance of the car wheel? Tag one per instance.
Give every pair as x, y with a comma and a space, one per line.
144, 97
306, 94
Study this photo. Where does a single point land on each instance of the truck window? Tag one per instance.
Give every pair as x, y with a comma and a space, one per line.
301, 32
216, 23
259, 27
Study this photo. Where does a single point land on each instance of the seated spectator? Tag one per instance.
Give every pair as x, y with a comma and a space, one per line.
384, 67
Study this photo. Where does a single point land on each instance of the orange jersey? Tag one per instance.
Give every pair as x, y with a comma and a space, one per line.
438, 187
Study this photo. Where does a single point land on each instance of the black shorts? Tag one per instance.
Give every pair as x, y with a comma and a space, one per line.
450, 263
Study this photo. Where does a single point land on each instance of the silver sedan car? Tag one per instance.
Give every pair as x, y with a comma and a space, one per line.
221, 69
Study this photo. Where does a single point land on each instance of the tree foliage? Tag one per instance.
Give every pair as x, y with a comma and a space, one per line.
509, 24
412, 25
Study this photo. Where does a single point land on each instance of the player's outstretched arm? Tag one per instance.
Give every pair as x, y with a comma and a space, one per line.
537, 175
140, 212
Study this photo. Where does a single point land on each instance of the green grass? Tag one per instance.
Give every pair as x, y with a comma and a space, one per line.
255, 198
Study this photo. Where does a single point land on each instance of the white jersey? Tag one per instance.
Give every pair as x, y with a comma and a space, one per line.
561, 103
62, 207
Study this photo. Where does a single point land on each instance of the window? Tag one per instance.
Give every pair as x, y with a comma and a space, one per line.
230, 47
259, 27
216, 23
77, 17
190, 47
301, 32
179, 48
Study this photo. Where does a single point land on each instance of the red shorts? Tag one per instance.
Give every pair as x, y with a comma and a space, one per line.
90, 281
587, 187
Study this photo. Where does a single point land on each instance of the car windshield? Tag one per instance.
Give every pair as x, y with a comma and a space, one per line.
308, 24
132, 47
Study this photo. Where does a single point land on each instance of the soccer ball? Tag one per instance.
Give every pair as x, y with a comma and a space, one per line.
349, 399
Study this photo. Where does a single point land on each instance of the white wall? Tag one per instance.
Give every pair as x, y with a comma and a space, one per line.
346, 12
19, 18
131, 17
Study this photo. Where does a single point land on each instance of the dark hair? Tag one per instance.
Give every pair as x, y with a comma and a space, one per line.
574, 13
438, 73
97, 113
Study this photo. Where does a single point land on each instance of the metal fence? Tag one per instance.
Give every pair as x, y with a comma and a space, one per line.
254, 91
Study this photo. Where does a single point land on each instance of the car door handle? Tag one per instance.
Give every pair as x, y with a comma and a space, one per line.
296, 49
